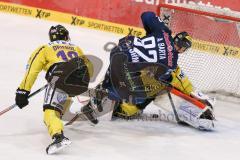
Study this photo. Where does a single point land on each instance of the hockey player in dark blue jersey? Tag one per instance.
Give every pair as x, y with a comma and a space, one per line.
138, 66
158, 47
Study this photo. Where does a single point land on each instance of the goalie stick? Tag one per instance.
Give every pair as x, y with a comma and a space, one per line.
173, 107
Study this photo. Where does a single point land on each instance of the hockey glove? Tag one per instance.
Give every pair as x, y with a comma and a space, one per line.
21, 98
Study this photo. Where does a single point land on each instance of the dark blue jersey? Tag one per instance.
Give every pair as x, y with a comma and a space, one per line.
156, 47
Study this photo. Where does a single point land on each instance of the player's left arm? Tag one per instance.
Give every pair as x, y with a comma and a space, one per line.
152, 23
35, 65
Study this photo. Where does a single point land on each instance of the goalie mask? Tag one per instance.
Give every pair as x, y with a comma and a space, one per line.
183, 41
58, 32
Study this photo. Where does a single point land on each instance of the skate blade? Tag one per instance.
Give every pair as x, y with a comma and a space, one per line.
55, 148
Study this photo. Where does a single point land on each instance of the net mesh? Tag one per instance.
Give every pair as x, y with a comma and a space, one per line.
213, 63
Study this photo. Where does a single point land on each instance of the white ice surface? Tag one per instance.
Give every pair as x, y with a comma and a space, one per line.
23, 135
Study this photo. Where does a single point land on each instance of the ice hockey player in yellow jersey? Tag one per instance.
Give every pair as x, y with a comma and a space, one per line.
67, 72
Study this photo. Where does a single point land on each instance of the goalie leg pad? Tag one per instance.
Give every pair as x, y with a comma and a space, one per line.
194, 116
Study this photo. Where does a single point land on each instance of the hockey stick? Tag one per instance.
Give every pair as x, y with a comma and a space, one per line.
188, 98
72, 120
31, 95
173, 107
169, 88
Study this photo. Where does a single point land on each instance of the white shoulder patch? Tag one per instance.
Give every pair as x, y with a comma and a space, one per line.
60, 42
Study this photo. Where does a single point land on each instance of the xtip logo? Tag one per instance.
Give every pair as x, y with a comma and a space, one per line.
42, 14
230, 52
134, 32
77, 21
152, 2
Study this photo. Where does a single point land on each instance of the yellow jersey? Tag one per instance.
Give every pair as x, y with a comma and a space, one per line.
47, 55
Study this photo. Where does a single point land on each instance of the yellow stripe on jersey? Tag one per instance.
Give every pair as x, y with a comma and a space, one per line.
28, 70
34, 66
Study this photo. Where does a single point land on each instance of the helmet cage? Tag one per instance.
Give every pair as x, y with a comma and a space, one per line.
183, 40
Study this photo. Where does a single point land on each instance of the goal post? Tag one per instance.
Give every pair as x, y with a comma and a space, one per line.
213, 62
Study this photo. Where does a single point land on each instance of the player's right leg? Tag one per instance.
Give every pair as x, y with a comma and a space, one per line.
55, 102
55, 129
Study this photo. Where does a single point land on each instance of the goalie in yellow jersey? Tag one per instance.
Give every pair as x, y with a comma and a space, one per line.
68, 74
